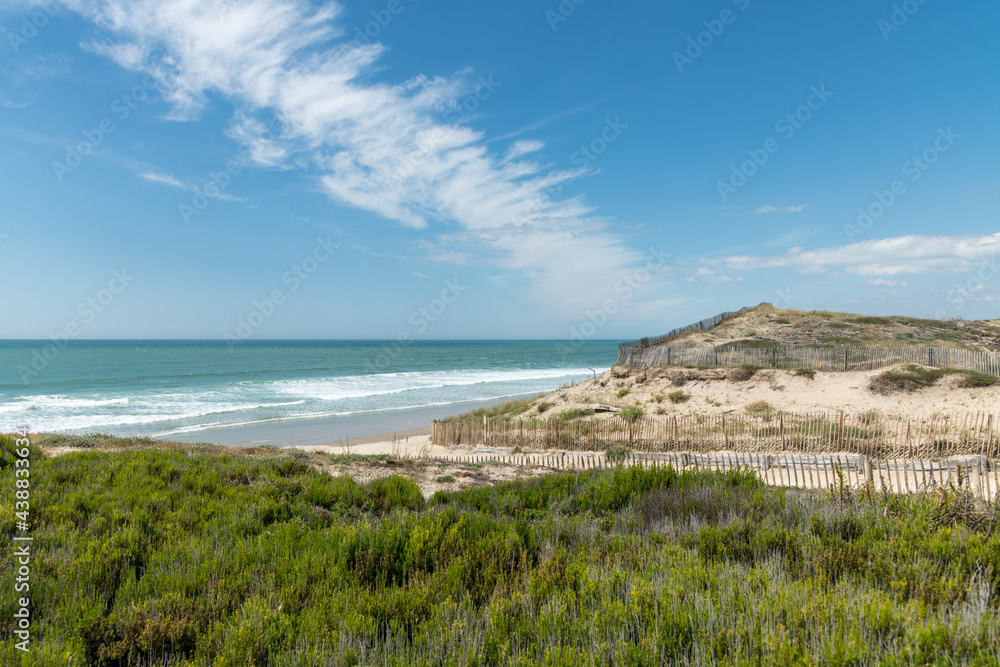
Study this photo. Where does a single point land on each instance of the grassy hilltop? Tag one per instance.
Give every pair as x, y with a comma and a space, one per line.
159, 557
766, 325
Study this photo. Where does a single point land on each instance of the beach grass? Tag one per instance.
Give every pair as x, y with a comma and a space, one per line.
173, 557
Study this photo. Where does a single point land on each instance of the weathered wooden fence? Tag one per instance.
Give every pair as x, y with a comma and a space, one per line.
870, 433
706, 323
834, 472
816, 358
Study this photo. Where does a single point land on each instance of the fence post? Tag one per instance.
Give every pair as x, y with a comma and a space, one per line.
841, 430
845, 358
866, 465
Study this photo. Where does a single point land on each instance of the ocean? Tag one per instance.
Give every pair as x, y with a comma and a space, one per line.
279, 392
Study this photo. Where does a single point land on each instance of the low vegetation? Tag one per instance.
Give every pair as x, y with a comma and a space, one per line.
912, 377
503, 411
766, 326
162, 557
679, 396
624, 391
574, 413
633, 412
761, 408
744, 372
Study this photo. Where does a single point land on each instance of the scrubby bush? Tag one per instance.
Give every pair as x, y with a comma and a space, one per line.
624, 391
744, 372
632, 413
679, 396
574, 413
157, 558
761, 408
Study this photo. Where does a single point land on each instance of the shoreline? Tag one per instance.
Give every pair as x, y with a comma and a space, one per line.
360, 428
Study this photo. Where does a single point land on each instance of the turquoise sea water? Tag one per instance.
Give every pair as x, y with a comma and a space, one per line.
182, 388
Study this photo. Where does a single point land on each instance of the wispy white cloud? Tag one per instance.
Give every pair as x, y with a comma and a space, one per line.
382, 147
780, 209
914, 254
880, 282
164, 179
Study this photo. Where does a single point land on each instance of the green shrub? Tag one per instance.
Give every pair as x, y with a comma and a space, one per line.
679, 396
178, 557
574, 413
632, 413
658, 397
977, 379
616, 454
805, 372
782, 321
624, 391
761, 408
504, 411
744, 372
544, 405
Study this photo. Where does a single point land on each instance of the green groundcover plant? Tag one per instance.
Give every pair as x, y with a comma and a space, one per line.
176, 558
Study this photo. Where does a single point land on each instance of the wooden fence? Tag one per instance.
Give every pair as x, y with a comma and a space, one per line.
816, 358
842, 473
706, 323
870, 434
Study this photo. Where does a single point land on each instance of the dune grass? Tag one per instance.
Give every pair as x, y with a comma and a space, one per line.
168, 557
912, 377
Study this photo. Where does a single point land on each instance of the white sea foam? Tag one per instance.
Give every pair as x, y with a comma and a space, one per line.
252, 402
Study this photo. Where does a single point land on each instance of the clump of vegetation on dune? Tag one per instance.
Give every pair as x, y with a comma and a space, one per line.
505, 411
912, 377
162, 557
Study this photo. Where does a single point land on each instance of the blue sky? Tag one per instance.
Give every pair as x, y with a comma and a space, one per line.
633, 165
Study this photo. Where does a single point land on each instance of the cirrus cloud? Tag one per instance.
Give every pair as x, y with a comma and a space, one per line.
378, 146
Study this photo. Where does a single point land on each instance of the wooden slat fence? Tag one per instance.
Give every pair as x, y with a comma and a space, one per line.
835, 472
871, 434
706, 323
816, 358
